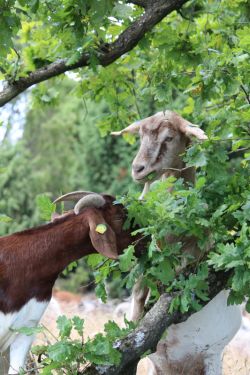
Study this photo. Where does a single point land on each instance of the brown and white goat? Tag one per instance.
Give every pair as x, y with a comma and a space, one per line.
193, 347
31, 260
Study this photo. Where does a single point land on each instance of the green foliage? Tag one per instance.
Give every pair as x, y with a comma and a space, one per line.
5, 219
100, 292
127, 259
64, 326
190, 290
94, 260
78, 325
68, 355
197, 65
37, 32
17, 198
101, 351
214, 212
45, 206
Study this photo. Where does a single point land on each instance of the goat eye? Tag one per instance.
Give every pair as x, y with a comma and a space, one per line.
168, 139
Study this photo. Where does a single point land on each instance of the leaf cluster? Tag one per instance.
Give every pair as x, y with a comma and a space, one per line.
66, 354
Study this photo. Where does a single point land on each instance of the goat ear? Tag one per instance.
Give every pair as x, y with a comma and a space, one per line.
191, 130
102, 236
133, 129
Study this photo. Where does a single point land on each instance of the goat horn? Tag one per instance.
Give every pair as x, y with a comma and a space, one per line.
74, 195
92, 200
84, 198
132, 128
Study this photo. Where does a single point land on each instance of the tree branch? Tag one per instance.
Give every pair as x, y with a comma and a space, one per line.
126, 41
149, 331
246, 93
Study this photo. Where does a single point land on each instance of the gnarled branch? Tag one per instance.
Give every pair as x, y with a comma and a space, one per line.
149, 331
126, 41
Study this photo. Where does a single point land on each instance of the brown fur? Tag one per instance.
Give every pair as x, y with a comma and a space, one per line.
31, 260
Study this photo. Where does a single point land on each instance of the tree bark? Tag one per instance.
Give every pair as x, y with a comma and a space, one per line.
155, 11
149, 331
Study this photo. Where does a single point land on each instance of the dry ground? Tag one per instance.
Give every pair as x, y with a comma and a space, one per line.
236, 359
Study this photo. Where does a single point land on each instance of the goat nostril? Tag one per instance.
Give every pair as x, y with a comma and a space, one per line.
139, 168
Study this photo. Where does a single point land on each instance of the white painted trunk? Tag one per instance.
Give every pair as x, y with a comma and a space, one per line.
199, 341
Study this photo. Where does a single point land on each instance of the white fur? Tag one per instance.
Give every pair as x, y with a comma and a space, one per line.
28, 316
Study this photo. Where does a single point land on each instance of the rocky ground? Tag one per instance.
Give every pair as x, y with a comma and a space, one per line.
236, 359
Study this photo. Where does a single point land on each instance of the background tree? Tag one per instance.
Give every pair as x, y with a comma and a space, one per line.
60, 150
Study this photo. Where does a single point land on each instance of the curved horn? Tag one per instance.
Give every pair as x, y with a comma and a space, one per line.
74, 195
84, 198
91, 200
133, 129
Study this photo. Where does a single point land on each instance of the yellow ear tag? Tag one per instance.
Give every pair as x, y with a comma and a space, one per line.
101, 228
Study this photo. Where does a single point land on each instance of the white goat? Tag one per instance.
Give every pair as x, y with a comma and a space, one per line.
193, 347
